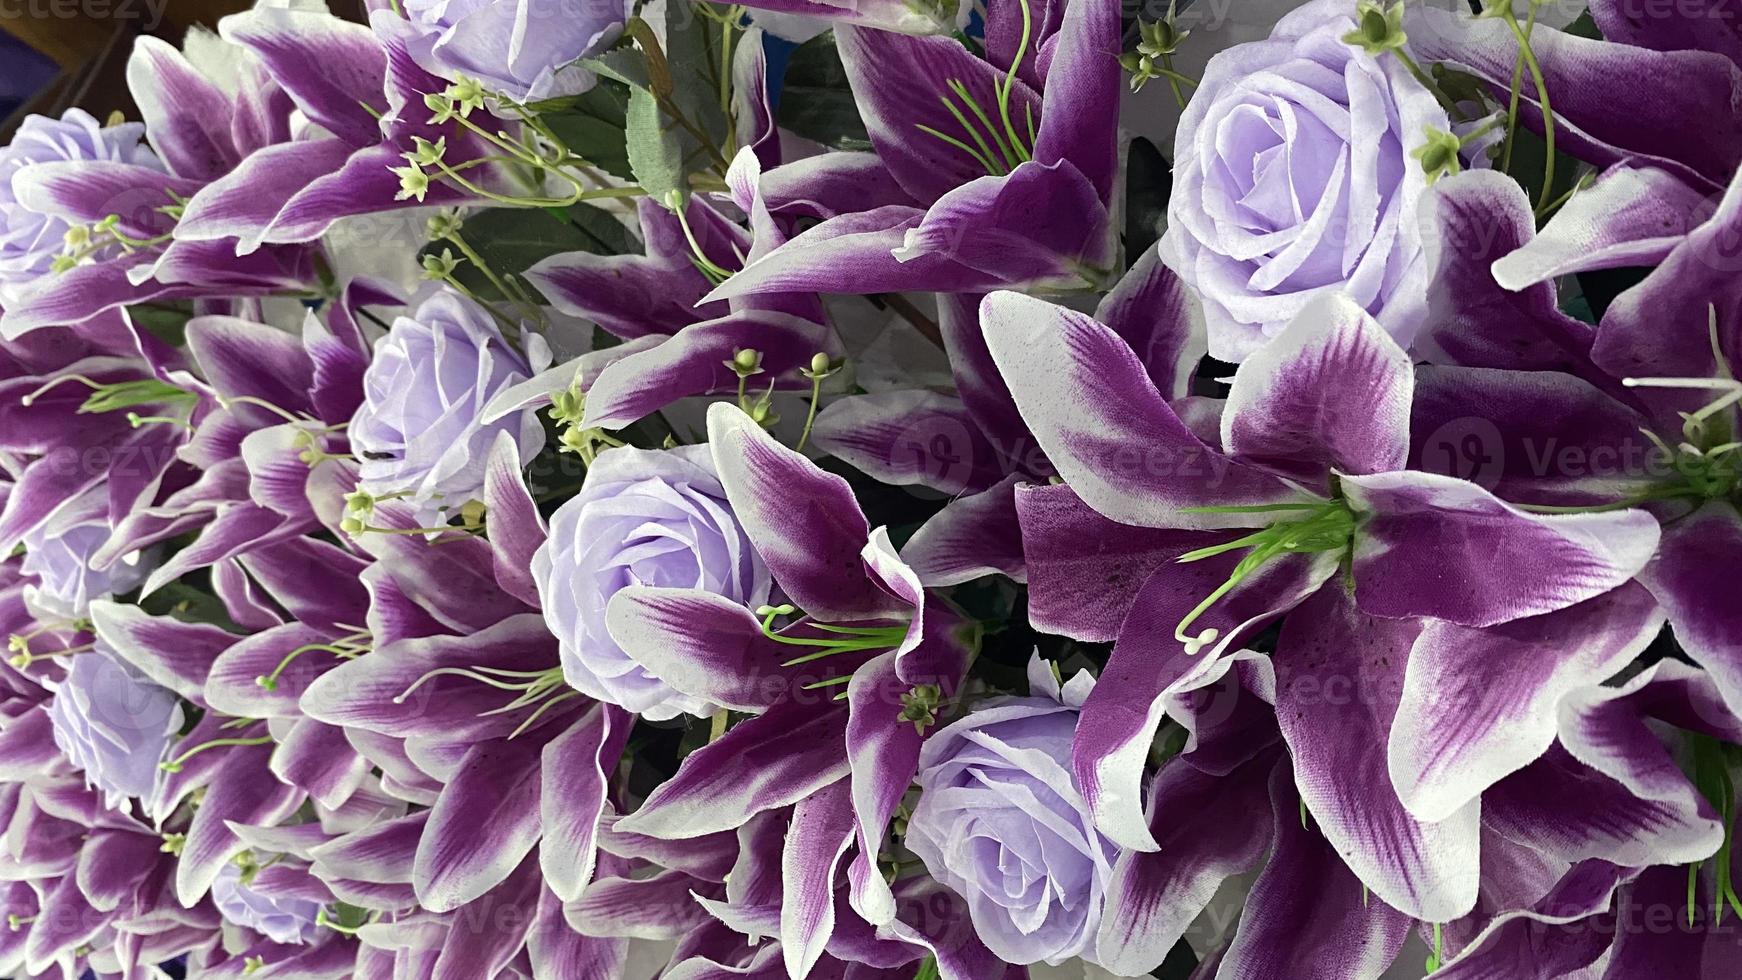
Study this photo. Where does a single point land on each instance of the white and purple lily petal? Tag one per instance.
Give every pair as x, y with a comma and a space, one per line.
805, 522
1661, 115
1095, 410
658, 293
487, 819
1686, 576
243, 790
1480, 704
697, 361
573, 796
1340, 675
1209, 828
1151, 664
1478, 219
1331, 392
1307, 912
1568, 930
798, 747
1698, 25
1418, 532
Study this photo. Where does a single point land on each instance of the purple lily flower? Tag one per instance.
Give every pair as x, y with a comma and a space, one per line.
975, 446
269, 459
73, 441
866, 622
1153, 493
1651, 815
1661, 115
680, 346
426, 705
1030, 207
199, 133
370, 103
660, 292
1640, 409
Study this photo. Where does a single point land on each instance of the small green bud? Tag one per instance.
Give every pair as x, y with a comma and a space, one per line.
17, 644
440, 267
77, 236
468, 94
252, 965
440, 105
1380, 28
920, 706
427, 154
413, 183
821, 366
1439, 154
1160, 37
444, 223
352, 526
568, 406
764, 612
62, 263
266, 683
745, 362
763, 414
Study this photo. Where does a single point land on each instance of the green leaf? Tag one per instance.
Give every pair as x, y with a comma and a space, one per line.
511, 240
168, 324
656, 155
627, 65
591, 125
815, 100
692, 54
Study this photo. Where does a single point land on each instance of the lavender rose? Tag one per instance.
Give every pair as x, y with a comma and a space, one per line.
286, 919
420, 432
29, 240
523, 49
111, 722
1293, 178
656, 518
1001, 822
58, 555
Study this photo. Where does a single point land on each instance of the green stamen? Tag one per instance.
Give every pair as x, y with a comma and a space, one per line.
544, 688
345, 648
860, 638
175, 765
1328, 527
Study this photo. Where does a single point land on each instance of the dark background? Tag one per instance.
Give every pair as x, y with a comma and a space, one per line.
56, 54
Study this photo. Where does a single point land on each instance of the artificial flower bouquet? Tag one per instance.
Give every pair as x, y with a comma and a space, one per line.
889, 490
